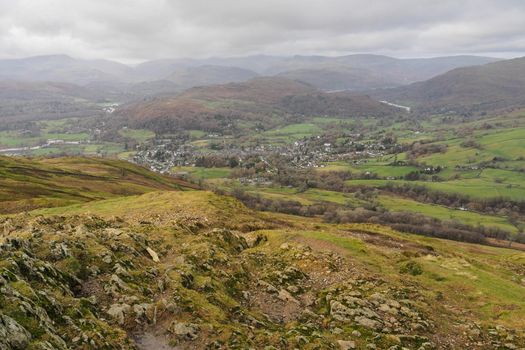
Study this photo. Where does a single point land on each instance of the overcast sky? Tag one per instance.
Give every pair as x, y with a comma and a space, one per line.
138, 30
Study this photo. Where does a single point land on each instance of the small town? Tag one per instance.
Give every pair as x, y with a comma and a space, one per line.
161, 155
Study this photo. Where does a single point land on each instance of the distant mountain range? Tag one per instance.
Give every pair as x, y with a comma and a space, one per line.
470, 89
352, 72
52, 85
62, 68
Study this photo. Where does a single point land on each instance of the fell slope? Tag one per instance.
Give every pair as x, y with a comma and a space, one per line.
472, 89
195, 270
21, 101
27, 184
264, 100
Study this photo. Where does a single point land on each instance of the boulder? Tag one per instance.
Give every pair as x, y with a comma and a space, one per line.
188, 331
115, 280
13, 335
339, 311
118, 311
367, 322
153, 254
284, 295
346, 344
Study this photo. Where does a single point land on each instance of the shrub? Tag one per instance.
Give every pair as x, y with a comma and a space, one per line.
412, 268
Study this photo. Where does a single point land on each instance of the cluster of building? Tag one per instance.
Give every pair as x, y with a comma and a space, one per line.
162, 155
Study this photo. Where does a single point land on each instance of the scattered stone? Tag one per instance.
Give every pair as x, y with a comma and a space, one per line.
118, 311
60, 251
107, 259
337, 330
284, 246
119, 283
140, 311
268, 287
368, 323
346, 344
153, 254
284, 295
188, 331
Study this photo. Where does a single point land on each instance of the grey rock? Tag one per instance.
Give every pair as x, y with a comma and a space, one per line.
188, 331
140, 310
337, 330
118, 311
346, 344
339, 311
367, 322
154, 256
12, 335
284, 295
119, 282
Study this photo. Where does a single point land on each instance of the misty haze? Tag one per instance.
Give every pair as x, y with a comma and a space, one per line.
294, 174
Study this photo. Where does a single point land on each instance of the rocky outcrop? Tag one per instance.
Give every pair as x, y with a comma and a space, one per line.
12, 335
83, 282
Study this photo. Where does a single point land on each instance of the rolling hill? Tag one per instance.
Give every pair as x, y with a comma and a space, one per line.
21, 101
265, 100
197, 270
471, 89
34, 183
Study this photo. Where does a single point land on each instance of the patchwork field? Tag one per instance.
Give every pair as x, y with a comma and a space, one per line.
443, 213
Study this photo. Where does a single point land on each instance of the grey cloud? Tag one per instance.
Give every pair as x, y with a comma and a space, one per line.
135, 30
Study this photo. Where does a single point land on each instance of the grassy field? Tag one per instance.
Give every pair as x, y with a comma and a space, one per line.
202, 173
139, 135
307, 197
393, 203
60, 129
501, 141
197, 134
293, 132
381, 168
9, 139
475, 188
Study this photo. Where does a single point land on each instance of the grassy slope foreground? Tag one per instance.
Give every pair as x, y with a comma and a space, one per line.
195, 270
29, 184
